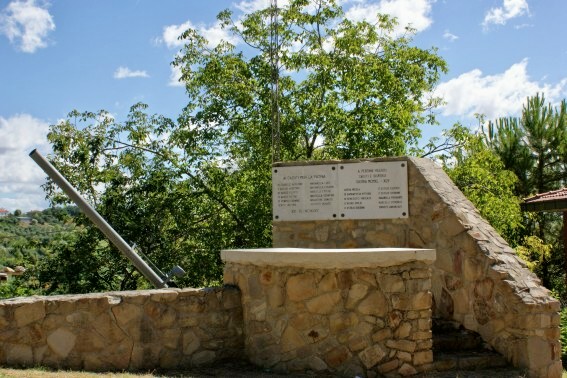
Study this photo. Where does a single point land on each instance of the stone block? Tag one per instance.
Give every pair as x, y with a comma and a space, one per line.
275, 296
381, 239
366, 277
257, 310
403, 356
403, 331
355, 294
329, 282
420, 274
61, 342
337, 356
303, 321
301, 287
394, 319
388, 367
268, 277
18, 354
417, 285
391, 283
126, 313
371, 356
406, 370
341, 321
374, 304
291, 339
422, 357
316, 364
358, 343
325, 303
421, 335
203, 357
424, 324
383, 334
161, 315
29, 312
191, 342
164, 296
403, 345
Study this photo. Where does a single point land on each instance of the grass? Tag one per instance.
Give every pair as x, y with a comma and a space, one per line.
45, 373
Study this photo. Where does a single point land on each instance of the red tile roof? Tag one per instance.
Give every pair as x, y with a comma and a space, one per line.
556, 200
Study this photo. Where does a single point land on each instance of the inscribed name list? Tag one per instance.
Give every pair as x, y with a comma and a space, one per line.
373, 190
367, 190
305, 192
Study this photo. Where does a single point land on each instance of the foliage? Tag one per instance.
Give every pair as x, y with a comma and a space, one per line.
534, 147
483, 179
26, 243
182, 190
346, 89
534, 252
563, 335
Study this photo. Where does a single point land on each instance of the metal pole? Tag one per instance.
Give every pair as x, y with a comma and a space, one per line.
99, 221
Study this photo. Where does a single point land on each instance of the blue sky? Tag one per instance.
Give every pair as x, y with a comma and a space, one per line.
60, 55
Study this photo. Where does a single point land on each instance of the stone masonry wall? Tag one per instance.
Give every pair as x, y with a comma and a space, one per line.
167, 328
356, 322
477, 279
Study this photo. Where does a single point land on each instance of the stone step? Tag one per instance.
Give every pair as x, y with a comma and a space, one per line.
481, 373
457, 340
468, 360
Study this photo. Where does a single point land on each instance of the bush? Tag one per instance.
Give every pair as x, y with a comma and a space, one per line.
563, 336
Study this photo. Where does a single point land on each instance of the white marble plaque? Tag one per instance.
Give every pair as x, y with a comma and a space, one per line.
305, 192
373, 190
367, 190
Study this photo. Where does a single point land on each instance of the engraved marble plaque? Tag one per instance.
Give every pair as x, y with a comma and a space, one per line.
305, 192
366, 190
373, 190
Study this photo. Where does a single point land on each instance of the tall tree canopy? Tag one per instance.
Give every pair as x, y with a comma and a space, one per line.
182, 190
346, 89
533, 146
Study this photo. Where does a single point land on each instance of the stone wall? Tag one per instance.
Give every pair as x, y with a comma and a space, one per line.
353, 322
477, 280
167, 328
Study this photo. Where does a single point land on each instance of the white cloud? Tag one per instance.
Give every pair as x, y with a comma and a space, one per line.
27, 24
213, 33
450, 36
249, 6
125, 72
20, 177
414, 13
499, 95
175, 77
510, 9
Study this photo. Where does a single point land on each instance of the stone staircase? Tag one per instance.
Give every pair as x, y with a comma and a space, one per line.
456, 349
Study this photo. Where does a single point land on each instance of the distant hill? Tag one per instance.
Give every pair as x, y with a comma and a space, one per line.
25, 237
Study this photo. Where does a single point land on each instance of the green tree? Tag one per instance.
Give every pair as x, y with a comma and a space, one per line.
182, 190
484, 180
533, 146
346, 89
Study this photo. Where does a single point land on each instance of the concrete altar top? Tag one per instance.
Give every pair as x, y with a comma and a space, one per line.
329, 258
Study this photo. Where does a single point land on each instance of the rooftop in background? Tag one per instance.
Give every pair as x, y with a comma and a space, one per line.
555, 200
